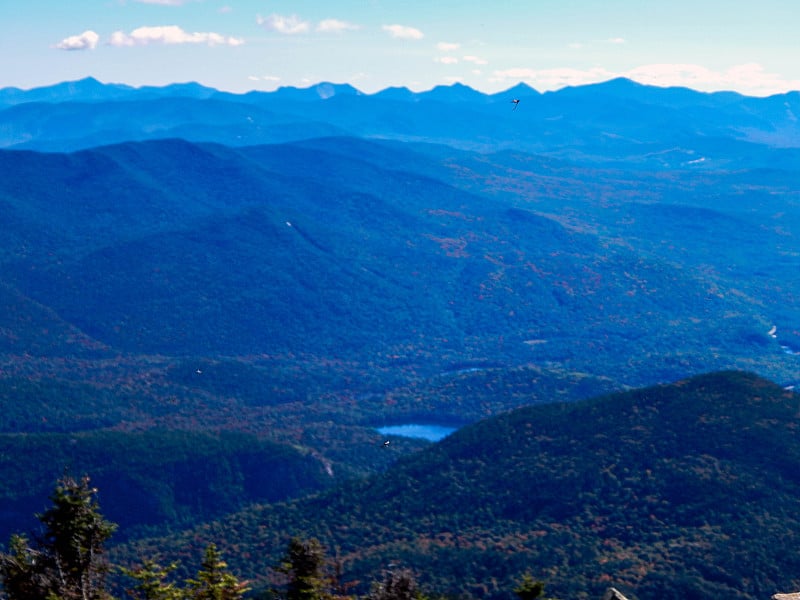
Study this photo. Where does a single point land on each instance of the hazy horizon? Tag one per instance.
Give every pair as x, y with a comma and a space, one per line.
244, 45
312, 85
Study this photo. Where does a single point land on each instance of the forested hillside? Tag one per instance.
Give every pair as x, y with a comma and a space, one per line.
214, 303
292, 252
155, 480
679, 491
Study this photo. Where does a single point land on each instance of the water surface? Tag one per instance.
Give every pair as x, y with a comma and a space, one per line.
413, 430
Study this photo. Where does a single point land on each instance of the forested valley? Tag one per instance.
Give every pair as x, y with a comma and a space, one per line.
214, 306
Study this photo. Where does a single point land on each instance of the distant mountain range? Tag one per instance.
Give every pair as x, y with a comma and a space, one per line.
615, 122
249, 286
682, 491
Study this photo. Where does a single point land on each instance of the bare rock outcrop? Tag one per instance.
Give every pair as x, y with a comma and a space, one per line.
615, 594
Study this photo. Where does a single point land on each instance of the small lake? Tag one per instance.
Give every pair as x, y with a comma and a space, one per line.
432, 433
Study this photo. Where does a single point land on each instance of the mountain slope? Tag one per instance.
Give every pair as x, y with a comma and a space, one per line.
689, 490
155, 480
315, 249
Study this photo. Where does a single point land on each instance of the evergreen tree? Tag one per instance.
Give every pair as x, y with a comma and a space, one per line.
151, 582
68, 562
19, 572
529, 588
214, 582
303, 563
396, 585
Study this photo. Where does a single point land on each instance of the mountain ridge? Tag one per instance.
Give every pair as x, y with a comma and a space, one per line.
623, 85
658, 488
598, 123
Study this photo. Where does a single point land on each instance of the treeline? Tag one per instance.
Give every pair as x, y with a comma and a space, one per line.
68, 562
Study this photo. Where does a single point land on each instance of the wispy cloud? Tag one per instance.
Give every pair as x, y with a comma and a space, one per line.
446, 60
616, 40
288, 25
269, 78
447, 46
335, 26
85, 41
403, 32
475, 60
170, 34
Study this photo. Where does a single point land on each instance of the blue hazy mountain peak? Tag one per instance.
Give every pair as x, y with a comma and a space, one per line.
674, 96
396, 93
521, 90
603, 122
457, 92
318, 91
189, 89
618, 86
85, 90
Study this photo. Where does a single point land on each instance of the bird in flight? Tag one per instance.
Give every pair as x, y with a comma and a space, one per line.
515, 102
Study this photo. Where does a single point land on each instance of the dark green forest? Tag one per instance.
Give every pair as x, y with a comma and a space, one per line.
157, 479
689, 487
68, 561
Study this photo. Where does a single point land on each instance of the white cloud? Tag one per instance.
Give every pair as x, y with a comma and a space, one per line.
288, 25
475, 60
402, 32
292, 25
225, 10
270, 78
335, 26
118, 38
85, 41
447, 46
616, 40
446, 60
170, 34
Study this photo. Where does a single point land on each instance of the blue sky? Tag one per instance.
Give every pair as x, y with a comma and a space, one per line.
752, 47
